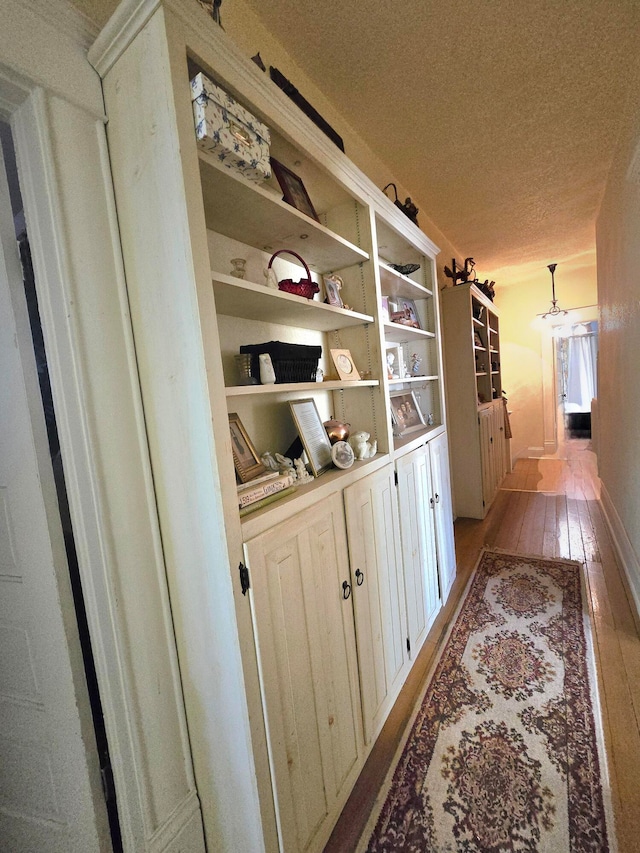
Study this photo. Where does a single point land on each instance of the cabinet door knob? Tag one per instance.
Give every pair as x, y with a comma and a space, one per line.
359, 577
432, 502
346, 589
437, 498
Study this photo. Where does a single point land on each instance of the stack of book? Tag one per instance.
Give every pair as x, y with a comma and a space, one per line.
263, 490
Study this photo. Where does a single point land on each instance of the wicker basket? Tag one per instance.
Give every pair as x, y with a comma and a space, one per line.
305, 287
291, 362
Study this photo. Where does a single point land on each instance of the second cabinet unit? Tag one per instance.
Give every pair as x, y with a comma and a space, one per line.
303, 622
417, 529
426, 529
378, 594
473, 380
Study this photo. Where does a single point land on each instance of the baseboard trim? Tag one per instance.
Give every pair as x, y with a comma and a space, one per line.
622, 545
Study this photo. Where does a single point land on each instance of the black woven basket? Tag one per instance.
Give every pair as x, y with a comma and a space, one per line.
291, 362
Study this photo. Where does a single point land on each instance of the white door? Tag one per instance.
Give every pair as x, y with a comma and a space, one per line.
50, 796
486, 458
378, 594
305, 635
417, 531
443, 510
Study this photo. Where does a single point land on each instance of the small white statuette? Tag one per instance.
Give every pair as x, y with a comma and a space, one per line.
362, 447
303, 476
271, 277
285, 465
267, 373
430, 419
268, 461
391, 359
238, 265
319, 375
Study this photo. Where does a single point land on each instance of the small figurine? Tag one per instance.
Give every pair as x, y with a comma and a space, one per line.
271, 277
285, 465
267, 373
362, 447
391, 374
302, 475
238, 265
268, 461
416, 361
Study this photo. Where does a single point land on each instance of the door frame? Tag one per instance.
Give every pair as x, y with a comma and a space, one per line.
584, 314
52, 99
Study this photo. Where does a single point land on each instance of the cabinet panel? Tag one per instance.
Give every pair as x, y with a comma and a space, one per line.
441, 484
306, 649
378, 595
417, 530
485, 425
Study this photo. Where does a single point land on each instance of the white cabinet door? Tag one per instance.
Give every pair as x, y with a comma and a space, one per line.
378, 594
441, 486
307, 657
499, 442
486, 457
417, 533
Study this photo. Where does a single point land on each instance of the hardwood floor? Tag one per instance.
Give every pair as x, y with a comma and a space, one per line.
551, 507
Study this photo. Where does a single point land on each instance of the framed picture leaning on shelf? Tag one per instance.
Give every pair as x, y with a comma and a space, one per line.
293, 189
406, 416
406, 314
344, 365
245, 458
332, 288
313, 434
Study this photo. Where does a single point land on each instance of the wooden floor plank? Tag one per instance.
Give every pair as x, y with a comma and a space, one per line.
550, 536
532, 531
576, 546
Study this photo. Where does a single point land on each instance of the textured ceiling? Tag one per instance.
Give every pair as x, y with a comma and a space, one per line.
500, 116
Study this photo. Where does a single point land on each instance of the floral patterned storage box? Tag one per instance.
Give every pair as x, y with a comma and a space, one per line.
229, 131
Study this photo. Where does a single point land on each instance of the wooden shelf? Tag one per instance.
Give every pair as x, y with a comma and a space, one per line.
240, 298
397, 334
247, 212
297, 387
414, 439
413, 380
394, 283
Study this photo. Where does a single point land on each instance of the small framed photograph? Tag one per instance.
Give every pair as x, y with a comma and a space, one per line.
312, 434
384, 309
344, 364
293, 189
406, 314
245, 458
332, 288
405, 413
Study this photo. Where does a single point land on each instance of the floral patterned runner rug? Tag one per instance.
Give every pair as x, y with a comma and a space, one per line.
505, 751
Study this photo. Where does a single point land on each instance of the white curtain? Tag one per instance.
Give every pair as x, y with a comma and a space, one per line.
581, 372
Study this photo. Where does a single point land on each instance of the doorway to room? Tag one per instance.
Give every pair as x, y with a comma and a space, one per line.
576, 378
44, 602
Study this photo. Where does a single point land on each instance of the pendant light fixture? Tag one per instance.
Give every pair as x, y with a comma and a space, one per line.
555, 310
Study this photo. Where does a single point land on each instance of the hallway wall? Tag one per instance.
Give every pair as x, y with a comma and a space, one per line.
618, 246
